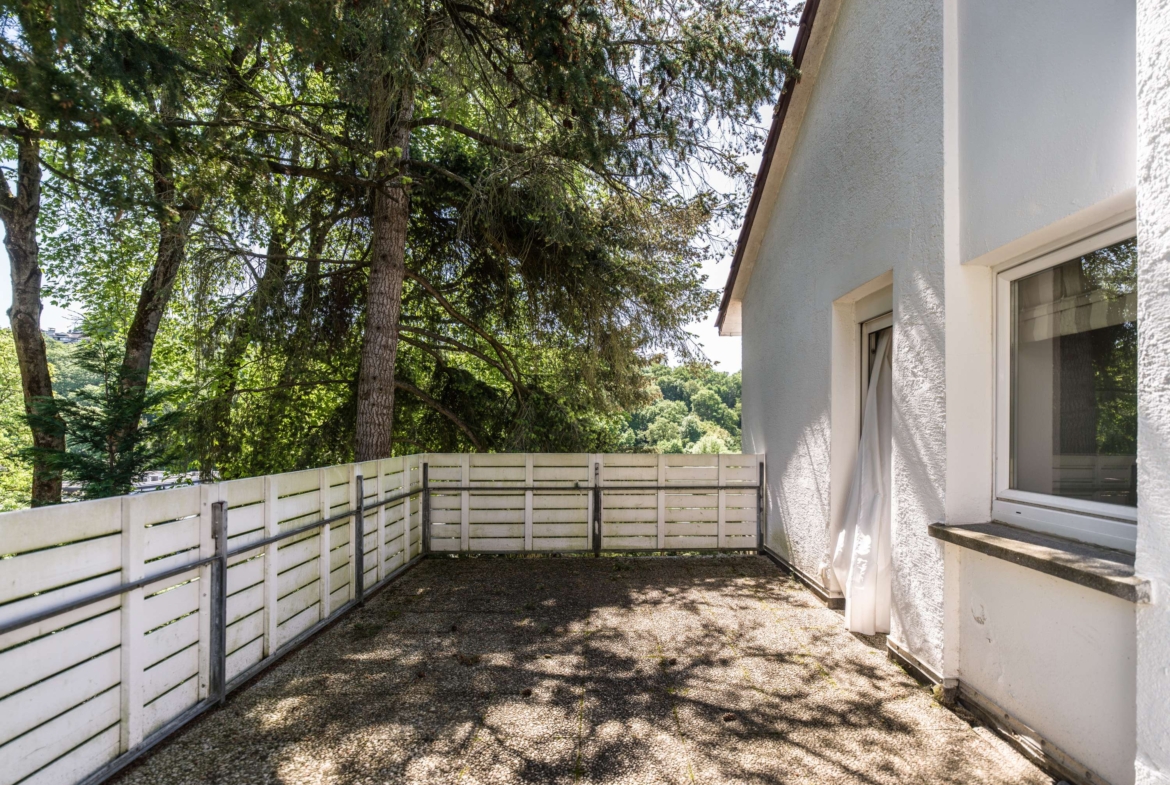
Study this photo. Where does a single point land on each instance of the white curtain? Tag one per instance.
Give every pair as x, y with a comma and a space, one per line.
861, 553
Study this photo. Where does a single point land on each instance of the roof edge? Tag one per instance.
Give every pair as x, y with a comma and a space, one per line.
803, 33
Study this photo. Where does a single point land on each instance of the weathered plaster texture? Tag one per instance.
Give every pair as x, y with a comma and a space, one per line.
1013, 134
1027, 636
862, 195
1024, 120
1153, 545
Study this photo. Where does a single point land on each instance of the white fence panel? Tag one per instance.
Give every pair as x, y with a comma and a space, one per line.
84, 687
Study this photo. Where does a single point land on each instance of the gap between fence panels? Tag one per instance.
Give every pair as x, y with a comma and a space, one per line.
220, 581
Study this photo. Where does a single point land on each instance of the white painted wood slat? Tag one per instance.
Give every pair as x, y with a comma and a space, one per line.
464, 503
58, 736
99, 679
30, 707
40, 571
83, 759
661, 502
44, 527
133, 629
54, 653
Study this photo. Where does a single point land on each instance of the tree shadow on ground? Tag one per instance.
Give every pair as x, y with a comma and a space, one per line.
609, 670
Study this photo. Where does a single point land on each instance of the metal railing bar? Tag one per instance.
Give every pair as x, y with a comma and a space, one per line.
105, 594
589, 488
315, 525
48, 613
308, 527
24, 621
589, 552
391, 499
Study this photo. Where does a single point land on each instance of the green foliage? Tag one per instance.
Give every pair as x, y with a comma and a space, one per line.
15, 438
15, 470
105, 454
96, 257
697, 411
555, 161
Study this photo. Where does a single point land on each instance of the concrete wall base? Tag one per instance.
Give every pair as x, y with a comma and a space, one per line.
1026, 740
832, 600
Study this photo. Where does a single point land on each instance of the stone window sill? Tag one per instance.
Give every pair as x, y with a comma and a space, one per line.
1091, 566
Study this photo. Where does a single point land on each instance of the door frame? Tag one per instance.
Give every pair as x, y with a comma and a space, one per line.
868, 328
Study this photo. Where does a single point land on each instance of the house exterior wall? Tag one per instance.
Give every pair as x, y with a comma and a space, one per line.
1048, 119
1153, 545
939, 133
862, 196
1044, 133
1055, 655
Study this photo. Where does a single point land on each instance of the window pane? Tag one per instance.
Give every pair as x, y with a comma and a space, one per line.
1074, 378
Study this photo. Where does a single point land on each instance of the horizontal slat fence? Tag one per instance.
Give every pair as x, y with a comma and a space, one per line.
516, 503
84, 690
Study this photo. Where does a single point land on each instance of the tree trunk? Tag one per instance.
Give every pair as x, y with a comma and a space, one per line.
375, 397
174, 223
390, 220
19, 213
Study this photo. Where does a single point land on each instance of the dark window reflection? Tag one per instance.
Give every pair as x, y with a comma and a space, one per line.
1074, 378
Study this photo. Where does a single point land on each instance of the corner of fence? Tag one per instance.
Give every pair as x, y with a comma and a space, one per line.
760, 511
426, 508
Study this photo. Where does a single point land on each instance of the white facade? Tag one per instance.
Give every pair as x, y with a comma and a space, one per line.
1153, 545
931, 146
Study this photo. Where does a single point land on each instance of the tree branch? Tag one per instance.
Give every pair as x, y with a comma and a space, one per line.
295, 170
470, 133
457, 344
288, 385
503, 353
440, 408
441, 171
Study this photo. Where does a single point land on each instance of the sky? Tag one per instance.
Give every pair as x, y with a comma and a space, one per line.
723, 351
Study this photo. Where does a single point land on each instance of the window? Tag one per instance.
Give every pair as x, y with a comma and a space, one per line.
1066, 446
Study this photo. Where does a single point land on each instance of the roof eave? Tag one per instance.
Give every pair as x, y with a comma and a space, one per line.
803, 33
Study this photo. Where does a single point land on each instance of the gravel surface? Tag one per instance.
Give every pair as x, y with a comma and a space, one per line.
567, 670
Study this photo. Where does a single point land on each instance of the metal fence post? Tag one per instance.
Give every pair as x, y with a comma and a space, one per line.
760, 512
426, 508
596, 509
217, 671
359, 551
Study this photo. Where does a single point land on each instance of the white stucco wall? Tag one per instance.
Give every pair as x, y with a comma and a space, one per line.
892, 144
1047, 124
1055, 655
1042, 133
862, 196
1153, 545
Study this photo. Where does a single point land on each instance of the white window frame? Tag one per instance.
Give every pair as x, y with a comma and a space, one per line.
1111, 525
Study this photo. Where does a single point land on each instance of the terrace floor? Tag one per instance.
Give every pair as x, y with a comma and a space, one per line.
630, 670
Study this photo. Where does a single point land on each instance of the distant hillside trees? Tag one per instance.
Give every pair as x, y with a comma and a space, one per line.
695, 410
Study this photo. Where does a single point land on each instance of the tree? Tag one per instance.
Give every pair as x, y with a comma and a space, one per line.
534, 124
114, 429
67, 70
401, 226
19, 211
690, 416
16, 472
